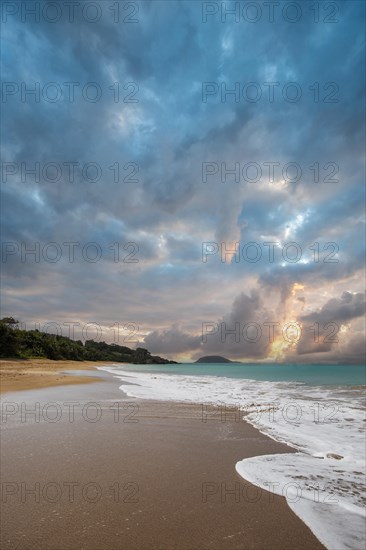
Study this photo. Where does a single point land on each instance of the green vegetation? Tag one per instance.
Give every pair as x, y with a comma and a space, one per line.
35, 344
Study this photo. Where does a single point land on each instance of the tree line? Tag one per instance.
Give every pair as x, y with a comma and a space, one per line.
28, 344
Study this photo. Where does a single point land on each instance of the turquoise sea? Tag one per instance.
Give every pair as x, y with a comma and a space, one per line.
314, 374
316, 409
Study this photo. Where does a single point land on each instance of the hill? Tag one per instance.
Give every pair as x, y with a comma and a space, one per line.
33, 343
214, 359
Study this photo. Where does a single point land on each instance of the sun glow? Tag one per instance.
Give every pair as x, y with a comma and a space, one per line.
288, 333
296, 287
286, 340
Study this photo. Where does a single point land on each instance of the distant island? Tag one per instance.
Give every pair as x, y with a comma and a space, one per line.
31, 344
214, 359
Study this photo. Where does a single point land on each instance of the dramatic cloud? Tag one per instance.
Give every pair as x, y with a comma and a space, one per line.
173, 153
321, 329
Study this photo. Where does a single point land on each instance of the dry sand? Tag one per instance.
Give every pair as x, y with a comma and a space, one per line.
27, 374
164, 461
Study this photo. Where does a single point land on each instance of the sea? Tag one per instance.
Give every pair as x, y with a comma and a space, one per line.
317, 409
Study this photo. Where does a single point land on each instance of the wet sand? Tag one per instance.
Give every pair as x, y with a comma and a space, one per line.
144, 475
27, 374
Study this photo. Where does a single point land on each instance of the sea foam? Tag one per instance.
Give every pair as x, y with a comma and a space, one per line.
324, 481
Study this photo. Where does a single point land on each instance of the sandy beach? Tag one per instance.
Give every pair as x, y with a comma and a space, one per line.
121, 473
27, 374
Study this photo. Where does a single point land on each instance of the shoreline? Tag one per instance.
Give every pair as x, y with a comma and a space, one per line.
29, 374
315, 490
188, 494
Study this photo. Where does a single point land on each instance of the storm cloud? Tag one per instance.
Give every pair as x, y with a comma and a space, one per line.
140, 178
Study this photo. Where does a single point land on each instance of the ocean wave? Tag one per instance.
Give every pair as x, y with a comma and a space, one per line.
324, 481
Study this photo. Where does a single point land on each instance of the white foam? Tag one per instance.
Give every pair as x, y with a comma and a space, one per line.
324, 481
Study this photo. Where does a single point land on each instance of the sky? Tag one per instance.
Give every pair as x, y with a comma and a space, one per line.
160, 136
